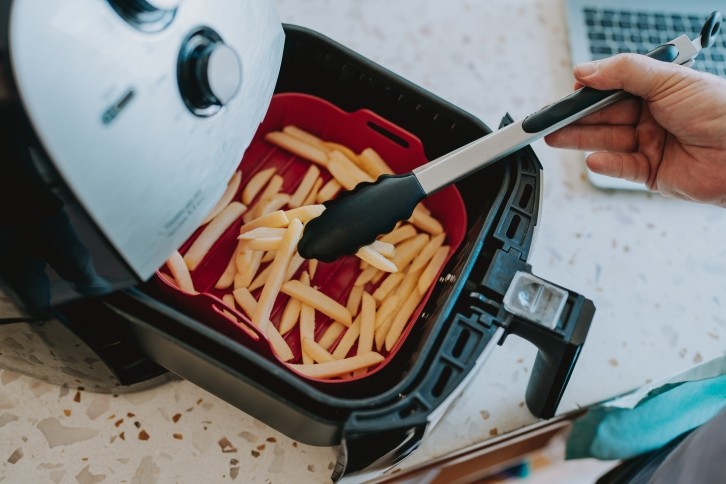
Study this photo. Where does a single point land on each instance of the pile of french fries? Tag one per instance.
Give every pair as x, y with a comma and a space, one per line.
396, 271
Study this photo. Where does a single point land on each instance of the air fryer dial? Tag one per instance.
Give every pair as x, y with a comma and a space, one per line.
209, 72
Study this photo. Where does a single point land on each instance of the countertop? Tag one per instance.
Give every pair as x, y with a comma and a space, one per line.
654, 267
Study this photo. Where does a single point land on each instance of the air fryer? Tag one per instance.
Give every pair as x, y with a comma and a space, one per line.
119, 333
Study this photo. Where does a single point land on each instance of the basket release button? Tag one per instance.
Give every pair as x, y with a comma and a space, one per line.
535, 299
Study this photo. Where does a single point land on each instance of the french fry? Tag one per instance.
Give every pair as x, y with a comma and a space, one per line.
322, 302
307, 328
382, 331
401, 318
265, 244
180, 272
423, 257
255, 261
365, 276
384, 248
407, 250
262, 233
279, 345
387, 309
367, 324
271, 189
376, 259
313, 195
228, 300
399, 234
331, 335
423, 208
347, 173
227, 196
268, 257
248, 304
266, 205
390, 283
242, 260
277, 273
225, 280
339, 367
295, 264
312, 267
303, 135
211, 233
348, 340
305, 213
426, 222
274, 203
303, 189
297, 147
408, 285
332, 146
316, 352
354, 298
256, 183
290, 315
246, 301
237, 282
261, 279
329, 191
372, 163
367, 328
307, 322
274, 219
433, 267
378, 276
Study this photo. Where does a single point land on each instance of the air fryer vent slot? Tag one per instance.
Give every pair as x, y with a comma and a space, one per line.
438, 389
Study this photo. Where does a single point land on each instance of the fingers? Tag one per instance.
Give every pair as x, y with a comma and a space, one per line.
636, 74
595, 138
626, 111
628, 166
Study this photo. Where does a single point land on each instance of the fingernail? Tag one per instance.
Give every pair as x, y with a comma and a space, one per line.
586, 69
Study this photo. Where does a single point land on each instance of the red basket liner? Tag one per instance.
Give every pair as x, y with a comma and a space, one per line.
357, 130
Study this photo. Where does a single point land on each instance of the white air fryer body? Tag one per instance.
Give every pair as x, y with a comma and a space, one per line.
144, 108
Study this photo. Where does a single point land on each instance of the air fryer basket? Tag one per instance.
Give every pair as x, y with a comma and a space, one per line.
382, 419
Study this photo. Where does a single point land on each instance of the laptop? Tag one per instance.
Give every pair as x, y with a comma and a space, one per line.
599, 29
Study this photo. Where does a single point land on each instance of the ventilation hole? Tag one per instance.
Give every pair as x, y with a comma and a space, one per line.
460, 343
395, 138
526, 196
513, 226
441, 382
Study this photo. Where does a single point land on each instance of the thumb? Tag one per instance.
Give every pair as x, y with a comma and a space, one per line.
634, 73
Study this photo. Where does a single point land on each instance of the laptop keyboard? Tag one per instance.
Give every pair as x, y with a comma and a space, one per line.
612, 31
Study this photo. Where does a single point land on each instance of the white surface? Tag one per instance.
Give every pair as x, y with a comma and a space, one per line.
654, 267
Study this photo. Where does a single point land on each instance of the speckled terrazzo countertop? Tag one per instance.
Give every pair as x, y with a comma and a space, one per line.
655, 268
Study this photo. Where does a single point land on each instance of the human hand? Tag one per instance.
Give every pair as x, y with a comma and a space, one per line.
672, 136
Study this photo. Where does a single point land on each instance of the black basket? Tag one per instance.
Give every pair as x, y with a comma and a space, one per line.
382, 418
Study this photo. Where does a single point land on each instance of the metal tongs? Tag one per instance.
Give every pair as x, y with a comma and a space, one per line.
355, 218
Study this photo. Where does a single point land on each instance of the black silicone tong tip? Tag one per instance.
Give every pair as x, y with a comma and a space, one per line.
355, 218
710, 29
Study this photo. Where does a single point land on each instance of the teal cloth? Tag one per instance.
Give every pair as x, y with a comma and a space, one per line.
610, 432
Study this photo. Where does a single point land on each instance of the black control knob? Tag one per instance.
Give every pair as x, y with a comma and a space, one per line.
146, 15
209, 72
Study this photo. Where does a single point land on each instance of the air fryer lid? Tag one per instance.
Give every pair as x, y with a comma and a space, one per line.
145, 108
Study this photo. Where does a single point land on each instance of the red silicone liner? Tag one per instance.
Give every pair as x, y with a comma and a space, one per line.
357, 130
